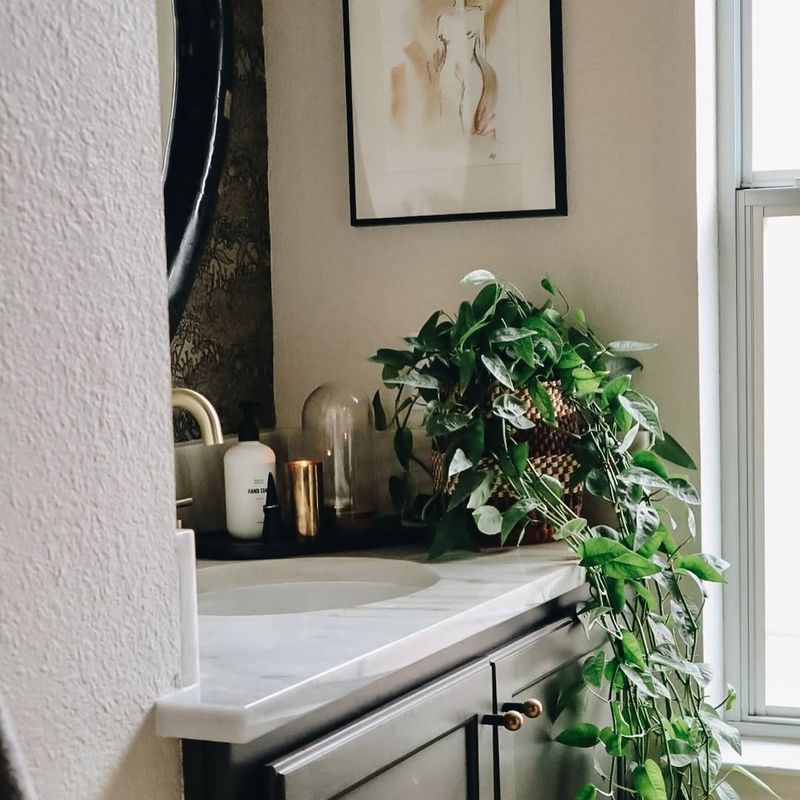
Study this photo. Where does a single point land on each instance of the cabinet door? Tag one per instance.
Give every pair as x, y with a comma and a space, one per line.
428, 744
531, 766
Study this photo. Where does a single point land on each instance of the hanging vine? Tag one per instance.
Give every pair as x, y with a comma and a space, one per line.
465, 374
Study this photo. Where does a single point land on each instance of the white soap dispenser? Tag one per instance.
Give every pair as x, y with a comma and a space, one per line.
248, 465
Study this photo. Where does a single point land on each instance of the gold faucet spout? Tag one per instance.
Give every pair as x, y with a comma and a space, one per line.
201, 409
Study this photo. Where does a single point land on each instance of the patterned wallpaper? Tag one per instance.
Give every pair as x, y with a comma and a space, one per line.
223, 347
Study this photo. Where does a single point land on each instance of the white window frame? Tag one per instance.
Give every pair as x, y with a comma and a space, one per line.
749, 178
741, 213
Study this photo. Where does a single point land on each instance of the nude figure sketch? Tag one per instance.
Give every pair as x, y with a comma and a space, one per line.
452, 81
466, 80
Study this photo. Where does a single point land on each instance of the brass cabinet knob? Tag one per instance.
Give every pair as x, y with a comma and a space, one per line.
510, 720
530, 708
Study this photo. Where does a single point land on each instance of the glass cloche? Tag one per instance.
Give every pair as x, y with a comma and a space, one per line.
337, 430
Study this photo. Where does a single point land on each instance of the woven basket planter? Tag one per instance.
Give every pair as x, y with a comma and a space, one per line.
550, 454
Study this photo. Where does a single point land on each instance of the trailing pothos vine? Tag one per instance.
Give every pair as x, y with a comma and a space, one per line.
464, 373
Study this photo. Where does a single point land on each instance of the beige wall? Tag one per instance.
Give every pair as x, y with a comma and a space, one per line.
626, 252
89, 632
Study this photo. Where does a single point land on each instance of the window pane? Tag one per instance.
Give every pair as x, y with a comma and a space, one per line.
776, 68
781, 454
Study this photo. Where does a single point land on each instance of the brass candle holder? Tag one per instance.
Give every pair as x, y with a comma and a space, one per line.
304, 482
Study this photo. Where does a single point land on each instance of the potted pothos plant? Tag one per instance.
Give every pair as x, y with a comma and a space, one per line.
491, 380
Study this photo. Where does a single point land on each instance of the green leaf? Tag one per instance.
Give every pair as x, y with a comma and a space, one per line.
647, 521
571, 528
518, 454
510, 335
484, 304
616, 593
587, 792
683, 490
649, 460
593, 668
740, 770
569, 359
702, 566
615, 388
466, 368
582, 735
542, 401
633, 650
730, 697
509, 406
378, 413
724, 791
442, 423
482, 493
648, 480
516, 514
394, 358
613, 742
630, 347
670, 450
548, 286
553, 485
643, 410
450, 533
630, 566
478, 276
488, 519
649, 782
498, 370
580, 316
680, 753
661, 633
472, 440
403, 446
594, 552
700, 672
458, 463
466, 484
621, 365
720, 728
651, 544
649, 598
465, 324
416, 379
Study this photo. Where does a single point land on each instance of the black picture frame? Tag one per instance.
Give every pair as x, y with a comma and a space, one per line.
560, 207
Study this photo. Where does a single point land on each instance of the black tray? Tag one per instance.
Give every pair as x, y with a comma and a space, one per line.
386, 532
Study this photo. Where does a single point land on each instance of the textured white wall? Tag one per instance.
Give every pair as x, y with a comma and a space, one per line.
627, 252
88, 586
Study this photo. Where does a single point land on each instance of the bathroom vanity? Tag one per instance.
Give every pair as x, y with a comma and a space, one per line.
359, 678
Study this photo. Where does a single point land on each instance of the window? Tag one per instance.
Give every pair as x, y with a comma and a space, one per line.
763, 538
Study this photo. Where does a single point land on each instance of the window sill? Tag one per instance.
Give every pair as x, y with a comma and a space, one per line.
766, 756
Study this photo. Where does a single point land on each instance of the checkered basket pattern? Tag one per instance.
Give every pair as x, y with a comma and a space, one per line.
551, 454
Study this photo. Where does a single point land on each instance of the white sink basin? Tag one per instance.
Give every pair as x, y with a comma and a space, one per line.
299, 585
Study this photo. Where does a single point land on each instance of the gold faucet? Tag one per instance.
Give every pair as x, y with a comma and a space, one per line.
206, 415
201, 409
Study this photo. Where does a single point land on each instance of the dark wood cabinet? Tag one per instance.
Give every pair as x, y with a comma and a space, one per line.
428, 744
443, 740
438, 742
535, 671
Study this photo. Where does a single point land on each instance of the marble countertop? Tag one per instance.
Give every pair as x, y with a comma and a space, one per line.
258, 673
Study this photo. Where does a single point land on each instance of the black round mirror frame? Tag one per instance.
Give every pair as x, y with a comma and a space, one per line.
204, 77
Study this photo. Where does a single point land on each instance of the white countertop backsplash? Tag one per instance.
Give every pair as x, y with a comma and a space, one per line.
257, 673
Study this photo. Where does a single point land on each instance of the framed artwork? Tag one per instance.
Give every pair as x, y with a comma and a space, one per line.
455, 110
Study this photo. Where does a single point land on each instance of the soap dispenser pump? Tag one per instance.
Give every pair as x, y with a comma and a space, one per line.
248, 466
